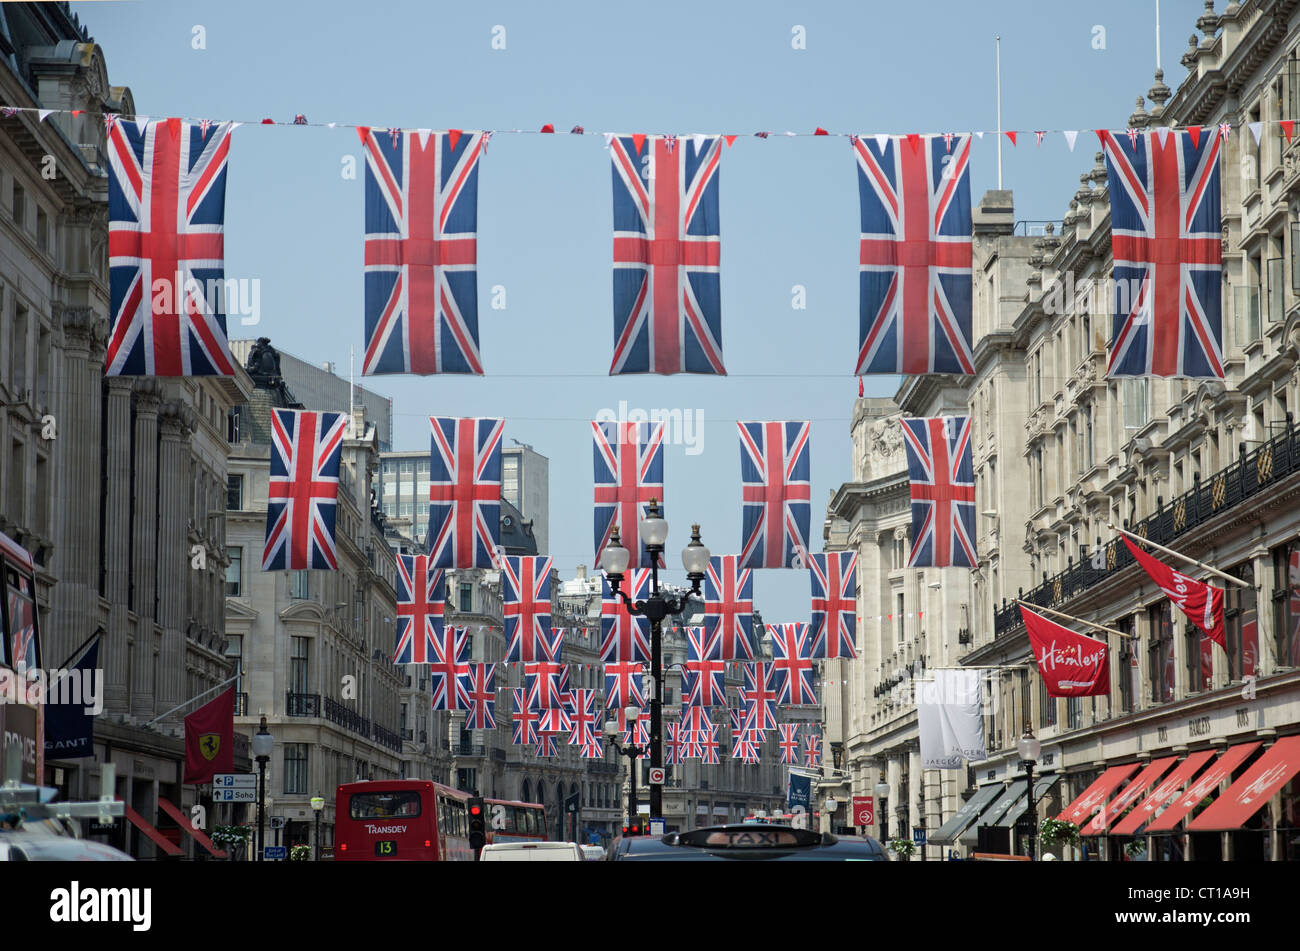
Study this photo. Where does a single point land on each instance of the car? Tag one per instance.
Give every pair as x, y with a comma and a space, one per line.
531, 852
593, 853
747, 841
27, 847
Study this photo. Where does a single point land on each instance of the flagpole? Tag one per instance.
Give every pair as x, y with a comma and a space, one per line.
999, 136
191, 700
1078, 620
99, 632
1157, 34
1170, 551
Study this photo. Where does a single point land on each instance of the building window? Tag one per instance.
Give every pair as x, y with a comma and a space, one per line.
300, 585
1199, 659
295, 769
234, 493
1073, 712
232, 426
235, 572
1286, 604
1161, 652
466, 602
467, 779
1046, 705
1128, 668
298, 657
899, 617
20, 205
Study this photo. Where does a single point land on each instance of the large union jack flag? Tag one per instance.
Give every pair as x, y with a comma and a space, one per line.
942, 478
729, 606
792, 669
450, 661
775, 494
624, 637
789, 743
421, 251
527, 606
624, 684
465, 492
166, 222
479, 683
758, 695
1165, 239
629, 472
834, 604
421, 608
525, 718
667, 298
703, 683
302, 494
915, 258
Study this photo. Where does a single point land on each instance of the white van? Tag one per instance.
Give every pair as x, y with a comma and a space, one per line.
531, 852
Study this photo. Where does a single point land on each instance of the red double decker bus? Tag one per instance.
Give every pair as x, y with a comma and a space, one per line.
22, 715
416, 820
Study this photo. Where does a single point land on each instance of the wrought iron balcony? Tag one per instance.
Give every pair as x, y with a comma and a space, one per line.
1253, 472
336, 712
468, 749
387, 738
302, 704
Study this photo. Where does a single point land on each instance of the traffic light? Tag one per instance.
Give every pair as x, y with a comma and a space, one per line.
477, 825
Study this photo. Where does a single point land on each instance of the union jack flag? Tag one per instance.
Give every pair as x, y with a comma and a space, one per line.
525, 718
624, 684
703, 684
667, 298
1165, 240
465, 492
583, 727
450, 660
542, 681
729, 606
635, 732
789, 743
792, 669
554, 720
479, 683
812, 751
421, 606
694, 720
303, 490
706, 742
421, 252
915, 264
759, 695
629, 472
775, 494
624, 638
546, 745
673, 744
834, 604
942, 478
527, 606
166, 223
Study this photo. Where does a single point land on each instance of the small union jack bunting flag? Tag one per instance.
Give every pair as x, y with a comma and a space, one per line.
834, 604
706, 741
915, 264
465, 492
546, 747
812, 750
582, 730
629, 472
775, 494
792, 667
729, 606
942, 477
479, 682
421, 301
421, 607
450, 660
667, 297
526, 604
789, 743
166, 223
525, 718
302, 493
1165, 240
673, 743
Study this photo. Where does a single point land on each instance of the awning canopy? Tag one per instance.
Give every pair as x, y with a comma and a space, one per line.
1082, 808
196, 834
1205, 785
1140, 784
1170, 787
156, 837
1018, 808
1248, 795
948, 832
995, 811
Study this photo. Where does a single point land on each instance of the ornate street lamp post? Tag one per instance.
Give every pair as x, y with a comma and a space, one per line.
632, 752
1030, 749
695, 559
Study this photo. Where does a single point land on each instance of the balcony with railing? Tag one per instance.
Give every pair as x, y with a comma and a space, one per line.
388, 738
302, 704
1254, 472
463, 750
335, 712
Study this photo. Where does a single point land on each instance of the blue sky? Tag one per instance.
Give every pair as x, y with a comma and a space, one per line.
788, 206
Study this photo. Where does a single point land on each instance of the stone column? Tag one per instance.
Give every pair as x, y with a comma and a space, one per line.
173, 567
117, 543
144, 540
916, 786
1266, 659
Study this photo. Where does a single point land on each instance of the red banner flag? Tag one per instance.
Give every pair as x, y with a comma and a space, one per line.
1202, 603
1072, 665
210, 739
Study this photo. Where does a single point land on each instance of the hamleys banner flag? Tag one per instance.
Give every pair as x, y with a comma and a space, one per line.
1072, 665
1202, 603
210, 739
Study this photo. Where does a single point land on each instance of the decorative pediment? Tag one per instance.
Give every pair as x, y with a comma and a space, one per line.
303, 611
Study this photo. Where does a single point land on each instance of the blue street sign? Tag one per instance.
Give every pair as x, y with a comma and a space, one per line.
918, 837
274, 853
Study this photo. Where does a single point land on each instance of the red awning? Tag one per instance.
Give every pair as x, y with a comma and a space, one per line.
1248, 795
184, 823
1171, 786
1092, 797
1141, 783
1205, 785
156, 837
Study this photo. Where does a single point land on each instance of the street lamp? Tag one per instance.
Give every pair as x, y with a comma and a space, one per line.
262, 744
1029, 749
882, 797
631, 752
317, 806
829, 807
695, 559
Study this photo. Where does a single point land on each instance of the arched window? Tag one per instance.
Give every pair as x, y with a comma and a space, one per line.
541, 791
524, 797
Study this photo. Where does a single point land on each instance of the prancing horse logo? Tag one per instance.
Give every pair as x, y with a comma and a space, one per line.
209, 745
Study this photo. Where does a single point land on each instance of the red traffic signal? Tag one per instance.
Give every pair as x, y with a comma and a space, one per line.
475, 810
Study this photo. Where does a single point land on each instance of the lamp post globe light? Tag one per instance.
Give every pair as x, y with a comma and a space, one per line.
631, 751
882, 798
317, 807
1030, 749
263, 743
653, 530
